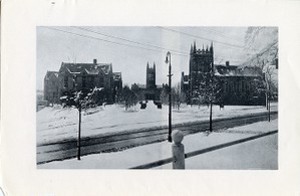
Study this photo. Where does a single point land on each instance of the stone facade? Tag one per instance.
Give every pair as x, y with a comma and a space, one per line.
150, 91
83, 77
201, 61
238, 85
151, 77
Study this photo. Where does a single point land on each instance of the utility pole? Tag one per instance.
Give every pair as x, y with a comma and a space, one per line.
211, 95
79, 133
168, 60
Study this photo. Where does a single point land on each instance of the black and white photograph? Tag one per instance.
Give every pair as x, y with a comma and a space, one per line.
157, 97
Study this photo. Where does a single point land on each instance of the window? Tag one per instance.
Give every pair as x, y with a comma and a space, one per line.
66, 82
83, 81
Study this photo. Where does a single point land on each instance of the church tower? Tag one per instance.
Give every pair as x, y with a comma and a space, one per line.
201, 62
150, 77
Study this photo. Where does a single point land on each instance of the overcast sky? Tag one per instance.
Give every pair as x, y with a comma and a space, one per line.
74, 44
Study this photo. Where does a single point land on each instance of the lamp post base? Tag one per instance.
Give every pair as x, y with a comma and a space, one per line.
169, 138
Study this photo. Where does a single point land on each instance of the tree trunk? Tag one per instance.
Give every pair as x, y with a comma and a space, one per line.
269, 107
79, 134
267, 101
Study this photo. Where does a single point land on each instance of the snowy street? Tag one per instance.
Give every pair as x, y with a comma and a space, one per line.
58, 147
257, 154
61, 124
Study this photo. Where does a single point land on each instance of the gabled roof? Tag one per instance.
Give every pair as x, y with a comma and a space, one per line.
51, 74
234, 70
88, 68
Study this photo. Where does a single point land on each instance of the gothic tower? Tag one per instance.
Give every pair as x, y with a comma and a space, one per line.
201, 62
150, 77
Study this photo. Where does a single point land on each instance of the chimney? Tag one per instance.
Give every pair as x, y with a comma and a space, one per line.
95, 61
227, 63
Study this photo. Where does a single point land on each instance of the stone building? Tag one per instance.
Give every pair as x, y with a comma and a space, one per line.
151, 77
201, 61
150, 91
83, 77
238, 85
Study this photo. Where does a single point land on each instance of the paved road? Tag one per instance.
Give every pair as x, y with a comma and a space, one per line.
123, 140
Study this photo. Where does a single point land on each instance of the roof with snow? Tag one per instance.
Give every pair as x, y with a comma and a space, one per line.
235, 70
89, 68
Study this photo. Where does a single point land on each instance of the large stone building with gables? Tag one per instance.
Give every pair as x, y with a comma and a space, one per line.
238, 85
83, 77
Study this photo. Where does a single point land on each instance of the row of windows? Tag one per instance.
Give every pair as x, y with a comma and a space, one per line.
240, 86
85, 81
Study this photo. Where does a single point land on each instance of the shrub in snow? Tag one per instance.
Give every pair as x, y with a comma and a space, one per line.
128, 98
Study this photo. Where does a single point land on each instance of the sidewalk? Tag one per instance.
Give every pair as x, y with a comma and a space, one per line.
257, 154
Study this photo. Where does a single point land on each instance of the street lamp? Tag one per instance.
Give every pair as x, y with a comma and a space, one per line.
168, 60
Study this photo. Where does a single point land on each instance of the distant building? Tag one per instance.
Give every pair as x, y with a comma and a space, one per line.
185, 86
83, 77
151, 77
150, 91
238, 85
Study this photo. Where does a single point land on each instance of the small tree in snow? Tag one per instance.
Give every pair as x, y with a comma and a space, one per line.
164, 94
209, 92
177, 97
81, 100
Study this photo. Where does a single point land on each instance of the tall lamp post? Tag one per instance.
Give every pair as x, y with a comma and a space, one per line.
168, 60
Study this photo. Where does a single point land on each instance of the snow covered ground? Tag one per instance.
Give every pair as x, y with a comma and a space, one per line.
56, 123
261, 153
257, 154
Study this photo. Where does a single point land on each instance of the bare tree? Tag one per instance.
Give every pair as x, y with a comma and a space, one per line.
164, 94
271, 87
178, 97
265, 39
208, 92
80, 100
